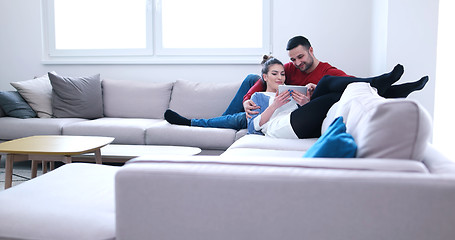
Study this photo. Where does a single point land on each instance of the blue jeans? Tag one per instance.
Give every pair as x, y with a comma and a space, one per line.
234, 117
236, 104
235, 121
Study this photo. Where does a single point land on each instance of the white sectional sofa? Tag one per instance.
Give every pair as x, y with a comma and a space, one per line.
133, 113
398, 187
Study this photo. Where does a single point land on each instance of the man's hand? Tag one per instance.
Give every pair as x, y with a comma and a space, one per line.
310, 87
249, 106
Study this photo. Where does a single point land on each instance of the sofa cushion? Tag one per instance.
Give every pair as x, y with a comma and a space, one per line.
263, 142
14, 105
75, 201
76, 96
124, 130
205, 138
382, 128
38, 94
135, 99
202, 100
12, 128
334, 143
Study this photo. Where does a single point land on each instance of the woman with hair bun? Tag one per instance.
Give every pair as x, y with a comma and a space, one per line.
235, 121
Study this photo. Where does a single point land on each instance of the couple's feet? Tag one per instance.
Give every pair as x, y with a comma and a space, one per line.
175, 118
386, 89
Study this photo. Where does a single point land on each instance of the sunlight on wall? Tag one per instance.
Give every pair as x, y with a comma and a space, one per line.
444, 130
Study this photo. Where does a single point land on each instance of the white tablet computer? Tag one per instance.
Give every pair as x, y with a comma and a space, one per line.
297, 88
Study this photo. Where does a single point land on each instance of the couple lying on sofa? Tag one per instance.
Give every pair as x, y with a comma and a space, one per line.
279, 117
305, 119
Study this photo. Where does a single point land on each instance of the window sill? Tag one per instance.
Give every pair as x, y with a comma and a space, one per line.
169, 60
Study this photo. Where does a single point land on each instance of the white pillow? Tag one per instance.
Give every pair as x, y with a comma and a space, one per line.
38, 94
382, 128
202, 100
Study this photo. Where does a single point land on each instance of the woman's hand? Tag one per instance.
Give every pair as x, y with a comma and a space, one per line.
300, 98
249, 106
280, 100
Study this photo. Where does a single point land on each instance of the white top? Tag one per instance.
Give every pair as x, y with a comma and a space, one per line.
279, 125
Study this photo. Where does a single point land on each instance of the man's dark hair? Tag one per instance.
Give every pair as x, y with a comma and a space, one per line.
296, 41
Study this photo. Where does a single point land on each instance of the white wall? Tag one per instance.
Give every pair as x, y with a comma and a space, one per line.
412, 41
349, 34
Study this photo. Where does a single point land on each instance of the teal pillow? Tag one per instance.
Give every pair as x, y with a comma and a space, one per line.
334, 143
14, 105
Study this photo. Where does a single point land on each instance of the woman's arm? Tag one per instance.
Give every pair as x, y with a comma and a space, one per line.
263, 101
280, 100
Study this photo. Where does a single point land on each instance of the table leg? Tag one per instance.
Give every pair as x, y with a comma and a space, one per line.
44, 166
34, 168
98, 159
9, 170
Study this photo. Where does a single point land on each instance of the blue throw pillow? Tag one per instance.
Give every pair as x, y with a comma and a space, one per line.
334, 143
14, 105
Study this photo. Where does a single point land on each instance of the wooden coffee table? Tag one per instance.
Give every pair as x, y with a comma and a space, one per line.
49, 148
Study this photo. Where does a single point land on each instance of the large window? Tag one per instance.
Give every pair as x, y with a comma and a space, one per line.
155, 31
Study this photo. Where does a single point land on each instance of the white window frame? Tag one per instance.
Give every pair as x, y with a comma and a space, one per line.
154, 53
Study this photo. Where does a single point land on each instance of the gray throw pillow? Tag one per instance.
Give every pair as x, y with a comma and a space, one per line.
76, 97
15, 106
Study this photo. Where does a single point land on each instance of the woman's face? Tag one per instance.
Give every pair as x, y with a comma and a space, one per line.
274, 77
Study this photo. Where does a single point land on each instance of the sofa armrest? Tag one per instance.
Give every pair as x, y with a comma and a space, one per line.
184, 200
437, 162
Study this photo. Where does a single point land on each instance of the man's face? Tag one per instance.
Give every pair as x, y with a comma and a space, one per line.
301, 57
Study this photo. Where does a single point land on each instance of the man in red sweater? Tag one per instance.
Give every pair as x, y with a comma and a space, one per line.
304, 70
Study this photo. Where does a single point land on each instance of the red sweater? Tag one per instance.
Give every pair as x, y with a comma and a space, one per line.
296, 77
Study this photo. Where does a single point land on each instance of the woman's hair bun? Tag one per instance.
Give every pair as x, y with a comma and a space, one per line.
265, 58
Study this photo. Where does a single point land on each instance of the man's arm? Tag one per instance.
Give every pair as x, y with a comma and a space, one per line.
249, 105
257, 87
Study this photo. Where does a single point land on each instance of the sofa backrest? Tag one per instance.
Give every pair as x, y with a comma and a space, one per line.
202, 100
382, 128
135, 99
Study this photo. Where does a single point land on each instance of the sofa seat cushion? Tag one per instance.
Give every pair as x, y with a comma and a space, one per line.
263, 142
75, 201
204, 138
135, 99
124, 130
202, 100
258, 152
382, 128
12, 128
